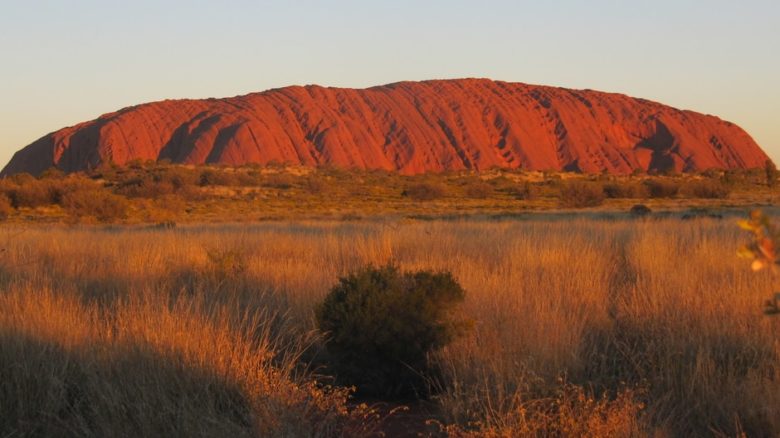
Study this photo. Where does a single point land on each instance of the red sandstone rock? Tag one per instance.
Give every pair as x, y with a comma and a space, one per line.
410, 127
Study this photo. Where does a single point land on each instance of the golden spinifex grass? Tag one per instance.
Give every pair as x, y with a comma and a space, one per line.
583, 327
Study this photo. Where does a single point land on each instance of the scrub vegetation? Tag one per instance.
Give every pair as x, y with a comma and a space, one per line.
576, 327
167, 193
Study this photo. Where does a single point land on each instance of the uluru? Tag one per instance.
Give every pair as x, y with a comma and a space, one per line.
410, 127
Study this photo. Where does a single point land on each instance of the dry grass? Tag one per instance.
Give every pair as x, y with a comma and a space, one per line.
583, 327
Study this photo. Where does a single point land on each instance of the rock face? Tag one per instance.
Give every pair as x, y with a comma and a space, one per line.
411, 127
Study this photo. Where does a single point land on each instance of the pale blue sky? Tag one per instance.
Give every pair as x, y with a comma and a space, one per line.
62, 62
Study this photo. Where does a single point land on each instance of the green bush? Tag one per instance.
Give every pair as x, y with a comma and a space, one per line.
381, 325
425, 191
580, 194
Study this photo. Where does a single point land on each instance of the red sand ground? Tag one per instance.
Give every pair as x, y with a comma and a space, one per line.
411, 127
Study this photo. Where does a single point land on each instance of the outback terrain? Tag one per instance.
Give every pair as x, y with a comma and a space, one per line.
580, 327
464, 258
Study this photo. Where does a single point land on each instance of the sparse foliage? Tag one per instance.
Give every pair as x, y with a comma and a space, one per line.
770, 170
762, 250
580, 194
425, 191
625, 190
708, 189
662, 188
523, 191
382, 323
100, 204
640, 210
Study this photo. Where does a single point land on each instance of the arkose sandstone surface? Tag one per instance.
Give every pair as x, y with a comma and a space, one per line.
411, 127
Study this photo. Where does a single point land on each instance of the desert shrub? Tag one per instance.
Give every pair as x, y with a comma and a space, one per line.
135, 164
105, 170
580, 194
281, 181
5, 207
640, 210
479, 190
524, 191
57, 189
770, 170
315, 186
382, 324
98, 203
551, 175
625, 190
661, 188
713, 173
213, 177
24, 190
707, 188
733, 177
179, 177
502, 183
144, 187
425, 191
247, 179
52, 173
159, 181
167, 207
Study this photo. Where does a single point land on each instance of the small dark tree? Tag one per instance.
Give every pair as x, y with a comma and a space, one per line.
771, 173
662, 188
381, 325
640, 210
